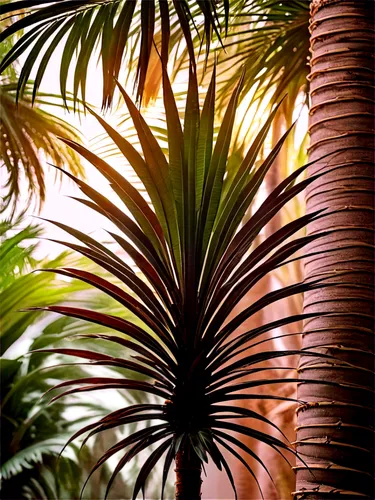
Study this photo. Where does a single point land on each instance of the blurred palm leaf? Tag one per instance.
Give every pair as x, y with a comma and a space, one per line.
25, 458
21, 288
25, 133
84, 25
33, 434
271, 39
15, 257
195, 256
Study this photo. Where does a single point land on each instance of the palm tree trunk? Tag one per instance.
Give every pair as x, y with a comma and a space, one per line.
335, 425
188, 474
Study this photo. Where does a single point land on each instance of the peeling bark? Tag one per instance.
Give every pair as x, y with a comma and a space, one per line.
335, 427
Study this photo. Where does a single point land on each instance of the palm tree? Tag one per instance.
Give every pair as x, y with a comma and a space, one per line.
335, 429
194, 256
320, 128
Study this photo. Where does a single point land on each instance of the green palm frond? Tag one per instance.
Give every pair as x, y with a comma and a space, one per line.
110, 27
198, 261
17, 249
21, 286
26, 457
33, 433
26, 132
271, 39
30, 289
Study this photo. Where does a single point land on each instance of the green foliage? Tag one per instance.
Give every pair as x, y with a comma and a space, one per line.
109, 25
16, 258
271, 40
33, 433
19, 287
198, 261
32, 454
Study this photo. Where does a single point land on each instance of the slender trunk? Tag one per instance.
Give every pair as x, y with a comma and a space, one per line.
188, 474
335, 426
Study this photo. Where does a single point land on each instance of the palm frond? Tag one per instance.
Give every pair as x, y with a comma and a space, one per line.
271, 40
26, 133
16, 252
109, 27
21, 285
26, 457
24, 291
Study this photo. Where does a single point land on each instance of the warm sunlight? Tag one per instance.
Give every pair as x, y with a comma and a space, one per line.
187, 259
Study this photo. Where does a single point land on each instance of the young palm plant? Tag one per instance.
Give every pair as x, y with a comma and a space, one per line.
197, 262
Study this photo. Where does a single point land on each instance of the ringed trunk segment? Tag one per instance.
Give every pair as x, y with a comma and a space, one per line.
188, 474
335, 427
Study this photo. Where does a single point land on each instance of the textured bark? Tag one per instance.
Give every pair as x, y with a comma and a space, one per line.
335, 427
188, 475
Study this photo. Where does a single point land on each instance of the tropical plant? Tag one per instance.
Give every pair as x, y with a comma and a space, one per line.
275, 30
194, 255
33, 433
287, 160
